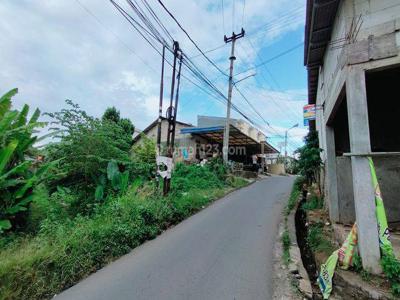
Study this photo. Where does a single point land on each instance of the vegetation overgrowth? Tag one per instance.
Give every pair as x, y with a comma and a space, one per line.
309, 161
84, 199
292, 201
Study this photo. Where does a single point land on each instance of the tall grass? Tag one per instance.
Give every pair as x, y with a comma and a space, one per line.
67, 250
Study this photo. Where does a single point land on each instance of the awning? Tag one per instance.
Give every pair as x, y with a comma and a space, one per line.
215, 134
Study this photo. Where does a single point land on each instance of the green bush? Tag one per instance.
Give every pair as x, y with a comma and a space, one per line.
313, 203
391, 268
84, 148
196, 176
294, 195
67, 249
309, 162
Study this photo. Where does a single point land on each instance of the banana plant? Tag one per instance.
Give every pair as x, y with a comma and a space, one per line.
18, 175
119, 180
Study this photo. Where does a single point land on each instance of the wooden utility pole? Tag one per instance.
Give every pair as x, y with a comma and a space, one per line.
232, 58
173, 110
160, 113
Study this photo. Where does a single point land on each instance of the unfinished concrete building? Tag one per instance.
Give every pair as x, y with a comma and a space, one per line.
352, 53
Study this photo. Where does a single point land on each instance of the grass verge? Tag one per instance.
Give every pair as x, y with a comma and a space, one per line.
316, 239
63, 253
285, 238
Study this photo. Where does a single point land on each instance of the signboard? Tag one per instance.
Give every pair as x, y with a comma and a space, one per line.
308, 113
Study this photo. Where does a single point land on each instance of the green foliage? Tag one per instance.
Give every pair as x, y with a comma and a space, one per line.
67, 250
127, 126
313, 203
309, 162
391, 268
366, 276
294, 195
317, 241
119, 180
357, 262
113, 115
145, 151
195, 176
85, 147
18, 174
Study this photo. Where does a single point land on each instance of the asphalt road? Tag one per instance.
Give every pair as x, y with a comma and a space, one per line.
223, 252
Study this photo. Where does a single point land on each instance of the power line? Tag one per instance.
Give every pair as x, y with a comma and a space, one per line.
190, 38
210, 50
156, 18
290, 15
273, 78
135, 24
272, 59
276, 22
251, 105
214, 91
88, 11
284, 112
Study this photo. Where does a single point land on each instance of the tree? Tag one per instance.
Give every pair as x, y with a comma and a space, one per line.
127, 126
86, 145
111, 114
309, 162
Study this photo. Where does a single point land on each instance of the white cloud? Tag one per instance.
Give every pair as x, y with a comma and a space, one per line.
54, 50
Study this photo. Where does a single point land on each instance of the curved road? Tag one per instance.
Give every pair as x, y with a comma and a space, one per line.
223, 252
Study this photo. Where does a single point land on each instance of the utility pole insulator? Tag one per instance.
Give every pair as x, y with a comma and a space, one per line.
232, 58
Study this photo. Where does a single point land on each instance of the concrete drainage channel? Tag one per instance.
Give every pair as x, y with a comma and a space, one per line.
307, 255
302, 265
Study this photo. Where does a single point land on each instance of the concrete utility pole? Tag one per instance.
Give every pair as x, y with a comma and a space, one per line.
286, 135
232, 58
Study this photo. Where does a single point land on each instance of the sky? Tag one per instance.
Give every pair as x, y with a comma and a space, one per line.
84, 50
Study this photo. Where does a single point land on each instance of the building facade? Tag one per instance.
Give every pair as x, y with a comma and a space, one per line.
352, 54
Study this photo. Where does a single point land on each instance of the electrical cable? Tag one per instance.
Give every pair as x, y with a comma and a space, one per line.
190, 38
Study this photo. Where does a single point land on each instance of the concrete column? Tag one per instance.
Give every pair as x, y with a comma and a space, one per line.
332, 188
364, 198
263, 157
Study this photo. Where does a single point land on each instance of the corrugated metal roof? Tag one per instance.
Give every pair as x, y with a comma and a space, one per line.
320, 19
202, 129
236, 137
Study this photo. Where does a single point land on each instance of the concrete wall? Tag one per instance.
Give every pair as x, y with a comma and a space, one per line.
377, 46
181, 140
388, 173
276, 169
347, 214
152, 133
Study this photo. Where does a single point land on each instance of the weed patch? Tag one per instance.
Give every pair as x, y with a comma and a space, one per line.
391, 268
67, 250
313, 203
285, 239
317, 241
